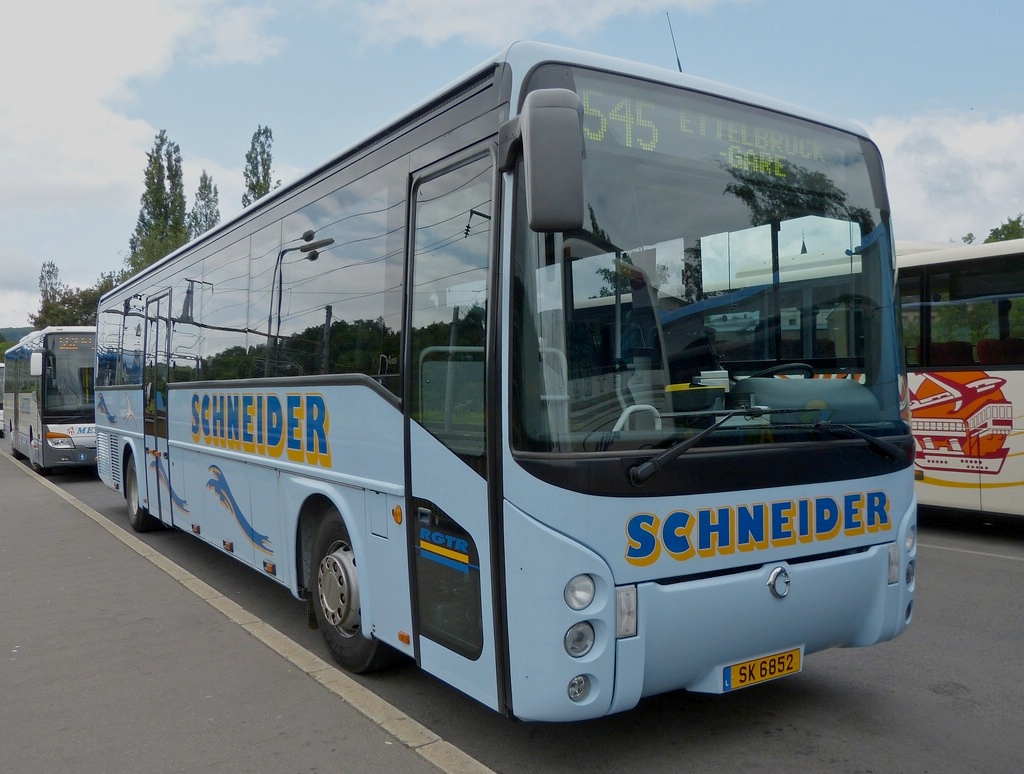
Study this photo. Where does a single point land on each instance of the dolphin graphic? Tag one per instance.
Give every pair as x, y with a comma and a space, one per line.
219, 485
158, 465
101, 406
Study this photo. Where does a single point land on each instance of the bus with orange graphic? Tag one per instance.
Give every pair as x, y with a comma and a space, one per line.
963, 322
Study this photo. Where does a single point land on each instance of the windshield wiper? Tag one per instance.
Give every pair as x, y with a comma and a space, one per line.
638, 474
888, 450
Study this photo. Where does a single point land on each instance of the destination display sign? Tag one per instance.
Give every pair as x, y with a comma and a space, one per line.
72, 343
646, 118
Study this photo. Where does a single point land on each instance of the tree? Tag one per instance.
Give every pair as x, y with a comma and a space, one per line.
205, 212
162, 225
258, 162
63, 305
52, 294
1013, 228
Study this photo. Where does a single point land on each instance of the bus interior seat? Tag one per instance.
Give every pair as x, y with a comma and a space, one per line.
951, 353
825, 348
699, 354
1001, 351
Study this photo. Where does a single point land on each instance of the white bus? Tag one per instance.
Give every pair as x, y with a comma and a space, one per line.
49, 397
519, 387
963, 319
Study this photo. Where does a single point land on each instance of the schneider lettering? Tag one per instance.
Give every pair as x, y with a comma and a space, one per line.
729, 529
295, 426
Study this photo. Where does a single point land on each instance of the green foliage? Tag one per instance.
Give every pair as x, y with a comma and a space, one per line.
1013, 228
205, 213
258, 163
161, 227
63, 305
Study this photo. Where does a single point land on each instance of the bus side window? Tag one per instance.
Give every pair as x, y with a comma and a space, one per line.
449, 312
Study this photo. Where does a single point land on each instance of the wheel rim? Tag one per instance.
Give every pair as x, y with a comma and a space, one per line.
338, 588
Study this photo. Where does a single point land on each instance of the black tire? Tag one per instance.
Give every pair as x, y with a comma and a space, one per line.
335, 589
140, 519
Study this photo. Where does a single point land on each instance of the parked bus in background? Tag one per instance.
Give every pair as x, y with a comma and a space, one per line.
579, 383
49, 397
3, 427
963, 322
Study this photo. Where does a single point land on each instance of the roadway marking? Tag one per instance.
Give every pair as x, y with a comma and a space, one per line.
972, 553
445, 756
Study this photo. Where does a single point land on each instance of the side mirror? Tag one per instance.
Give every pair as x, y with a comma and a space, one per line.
35, 364
551, 126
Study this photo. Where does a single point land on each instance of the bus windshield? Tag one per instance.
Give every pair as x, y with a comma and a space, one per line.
730, 259
68, 377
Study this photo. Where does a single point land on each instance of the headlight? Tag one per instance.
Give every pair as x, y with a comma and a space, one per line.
579, 688
579, 592
59, 441
579, 639
911, 539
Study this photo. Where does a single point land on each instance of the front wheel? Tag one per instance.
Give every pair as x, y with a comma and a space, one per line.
336, 601
140, 518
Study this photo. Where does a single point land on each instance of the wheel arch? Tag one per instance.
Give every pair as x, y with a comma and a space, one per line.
316, 507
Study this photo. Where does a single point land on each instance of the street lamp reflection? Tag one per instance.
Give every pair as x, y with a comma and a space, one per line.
311, 249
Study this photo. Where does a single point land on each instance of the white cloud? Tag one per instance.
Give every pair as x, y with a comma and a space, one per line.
493, 23
237, 35
951, 173
63, 140
67, 147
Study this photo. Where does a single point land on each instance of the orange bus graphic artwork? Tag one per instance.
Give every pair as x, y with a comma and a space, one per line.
960, 421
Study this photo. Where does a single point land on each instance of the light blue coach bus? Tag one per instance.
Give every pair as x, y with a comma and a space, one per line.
578, 383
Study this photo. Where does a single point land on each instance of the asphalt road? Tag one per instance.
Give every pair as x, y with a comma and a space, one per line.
947, 696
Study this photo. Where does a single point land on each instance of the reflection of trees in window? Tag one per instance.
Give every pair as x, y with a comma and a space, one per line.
693, 276
358, 347
798, 191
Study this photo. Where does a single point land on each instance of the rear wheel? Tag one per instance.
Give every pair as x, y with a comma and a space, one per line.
336, 601
140, 518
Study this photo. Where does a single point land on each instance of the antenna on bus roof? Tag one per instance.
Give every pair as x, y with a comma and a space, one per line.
674, 46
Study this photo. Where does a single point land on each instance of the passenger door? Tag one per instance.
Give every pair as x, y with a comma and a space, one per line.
447, 427
155, 373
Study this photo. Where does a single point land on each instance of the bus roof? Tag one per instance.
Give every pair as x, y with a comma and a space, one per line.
524, 55
34, 338
910, 254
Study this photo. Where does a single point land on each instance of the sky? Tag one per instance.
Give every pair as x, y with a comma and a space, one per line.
86, 87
